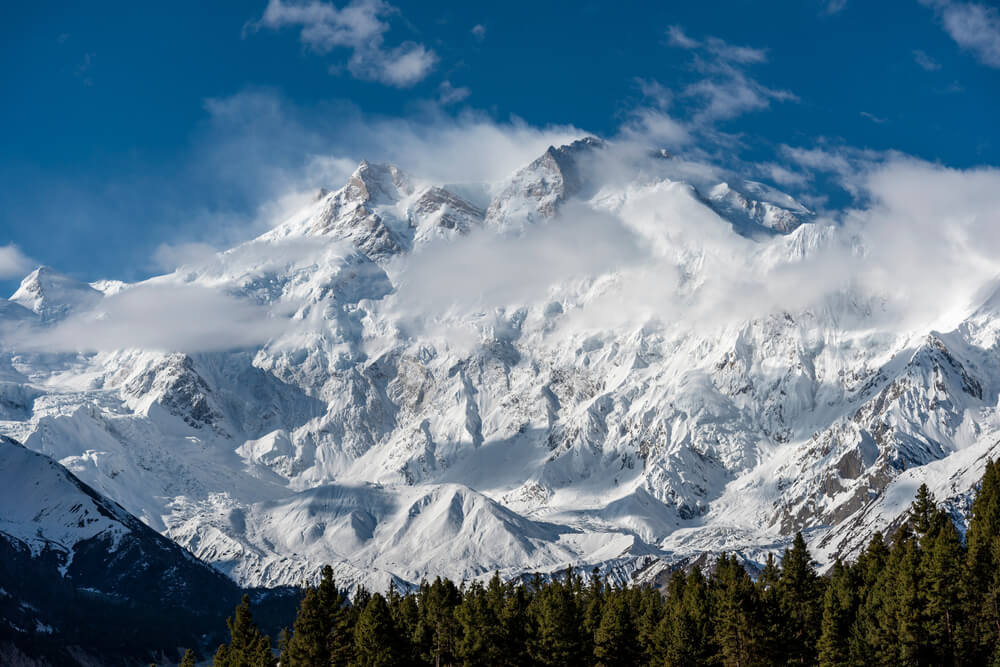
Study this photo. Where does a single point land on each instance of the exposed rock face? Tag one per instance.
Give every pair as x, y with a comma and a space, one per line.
397, 441
537, 190
62, 541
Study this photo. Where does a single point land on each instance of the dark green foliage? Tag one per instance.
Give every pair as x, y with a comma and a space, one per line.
247, 647
983, 568
188, 659
925, 599
616, 638
839, 611
799, 594
308, 644
376, 642
558, 637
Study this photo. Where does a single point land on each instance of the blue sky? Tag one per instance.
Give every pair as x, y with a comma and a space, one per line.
130, 129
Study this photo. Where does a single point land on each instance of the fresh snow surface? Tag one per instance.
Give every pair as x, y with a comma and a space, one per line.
45, 509
397, 433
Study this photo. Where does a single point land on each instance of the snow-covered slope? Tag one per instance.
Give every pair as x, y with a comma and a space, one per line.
60, 540
52, 295
601, 403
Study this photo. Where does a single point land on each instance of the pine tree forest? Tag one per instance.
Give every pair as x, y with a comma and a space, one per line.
925, 596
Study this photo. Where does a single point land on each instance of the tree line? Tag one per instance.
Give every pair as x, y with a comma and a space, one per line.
924, 597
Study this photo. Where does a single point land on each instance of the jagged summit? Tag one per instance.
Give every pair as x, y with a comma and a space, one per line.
376, 184
757, 207
53, 295
537, 190
596, 418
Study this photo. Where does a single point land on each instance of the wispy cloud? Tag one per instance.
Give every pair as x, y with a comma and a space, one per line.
720, 48
835, 6
13, 262
479, 31
925, 61
975, 27
677, 37
450, 94
873, 118
84, 71
359, 27
168, 257
655, 92
726, 90
847, 165
784, 176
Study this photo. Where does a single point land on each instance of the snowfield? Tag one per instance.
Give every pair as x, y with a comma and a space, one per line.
410, 379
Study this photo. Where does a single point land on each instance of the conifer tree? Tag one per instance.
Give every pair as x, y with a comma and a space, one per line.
247, 646
437, 629
983, 568
308, 645
649, 614
557, 624
800, 599
922, 511
375, 640
592, 604
684, 633
515, 622
772, 622
188, 659
839, 609
616, 639
405, 616
736, 613
908, 603
945, 625
480, 633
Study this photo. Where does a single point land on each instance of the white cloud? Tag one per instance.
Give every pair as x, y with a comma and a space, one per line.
168, 257
726, 91
449, 94
732, 95
818, 159
718, 47
835, 6
657, 128
479, 31
489, 270
873, 118
360, 27
677, 37
784, 176
975, 27
925, 61
736, 54
259, 130
13, 262
163, 318
848, 166
932, 234
655, 92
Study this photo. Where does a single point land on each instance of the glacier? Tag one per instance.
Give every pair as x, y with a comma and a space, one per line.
612, 359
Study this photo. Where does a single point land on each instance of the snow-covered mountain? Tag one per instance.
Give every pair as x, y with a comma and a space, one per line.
516, 376
74, 562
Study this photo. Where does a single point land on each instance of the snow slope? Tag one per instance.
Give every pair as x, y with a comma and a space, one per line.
599, 402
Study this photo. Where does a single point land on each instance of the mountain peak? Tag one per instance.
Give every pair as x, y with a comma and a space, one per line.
53, 295
376, 183
543, 185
